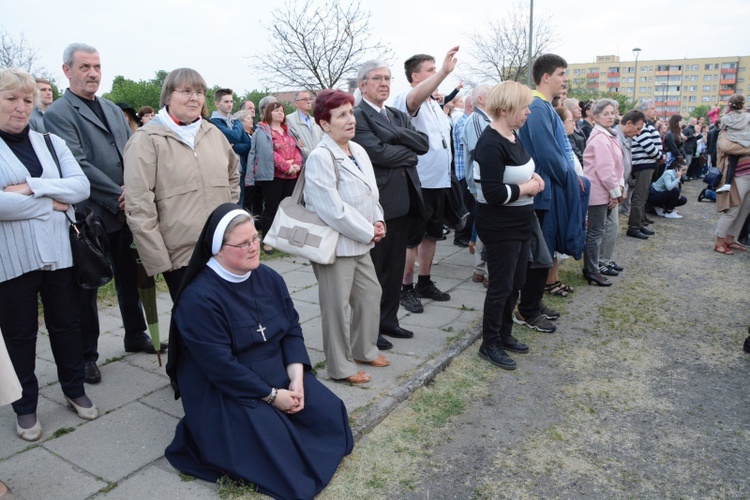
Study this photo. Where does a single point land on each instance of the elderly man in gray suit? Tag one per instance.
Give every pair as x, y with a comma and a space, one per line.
96, 131
303, 125
393, 146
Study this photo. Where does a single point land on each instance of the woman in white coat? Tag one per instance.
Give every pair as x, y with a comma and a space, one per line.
351, 206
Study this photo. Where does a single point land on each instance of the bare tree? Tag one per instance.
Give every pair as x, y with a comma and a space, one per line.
501, 51
314, 47
19, 54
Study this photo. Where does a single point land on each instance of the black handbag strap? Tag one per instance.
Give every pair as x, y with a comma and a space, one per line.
53, 152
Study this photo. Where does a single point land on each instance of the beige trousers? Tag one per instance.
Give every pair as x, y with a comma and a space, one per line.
349, 294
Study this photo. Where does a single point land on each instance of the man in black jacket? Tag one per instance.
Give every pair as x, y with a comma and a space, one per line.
393, 145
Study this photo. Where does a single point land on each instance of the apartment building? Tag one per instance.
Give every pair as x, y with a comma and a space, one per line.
675, 85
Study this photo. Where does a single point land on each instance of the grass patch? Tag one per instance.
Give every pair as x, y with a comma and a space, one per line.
108, 488
186, 477
391, 454
230, 488
61, 432
113, 359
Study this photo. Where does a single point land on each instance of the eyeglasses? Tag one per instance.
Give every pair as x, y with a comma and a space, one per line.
305, 99
246, 245
200, 94
379, 78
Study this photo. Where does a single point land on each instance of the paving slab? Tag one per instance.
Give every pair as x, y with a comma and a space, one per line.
154, 482
117, 443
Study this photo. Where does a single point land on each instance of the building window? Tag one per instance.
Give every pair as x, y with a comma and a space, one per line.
729, 65
642, 90
576, 71
704, 98
644, 69
642, 79
713, 98
706, 78
692, 98
741, 70
716, 77
707, 67
716, 66
714, 88
695, 67
693, 88
650, 78
693, 78
706, 88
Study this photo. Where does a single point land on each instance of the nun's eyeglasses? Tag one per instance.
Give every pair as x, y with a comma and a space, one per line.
246, 244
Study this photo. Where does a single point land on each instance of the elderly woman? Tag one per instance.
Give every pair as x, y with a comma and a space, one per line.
247, 184
505, 216
276, 160
253, 408
577, 138
340, 187
36, 197
603, 166
178, 168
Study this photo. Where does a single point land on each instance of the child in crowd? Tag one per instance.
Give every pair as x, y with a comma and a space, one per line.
664, 194
736, 123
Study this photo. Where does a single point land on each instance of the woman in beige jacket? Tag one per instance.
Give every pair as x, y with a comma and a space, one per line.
178, 169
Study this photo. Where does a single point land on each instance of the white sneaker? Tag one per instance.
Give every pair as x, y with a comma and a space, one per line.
672, 215
659, 211
724, 188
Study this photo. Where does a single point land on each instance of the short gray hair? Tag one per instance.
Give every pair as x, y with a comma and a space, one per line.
370, 66
601, 104
479, 91
572, 103
181, 76
296, 94
71, 49
242, 114
644, 105
265, 102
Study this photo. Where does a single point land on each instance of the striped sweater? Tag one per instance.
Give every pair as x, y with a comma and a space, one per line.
646, 148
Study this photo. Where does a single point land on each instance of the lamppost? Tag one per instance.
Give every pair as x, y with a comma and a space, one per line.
531, 42
636, 53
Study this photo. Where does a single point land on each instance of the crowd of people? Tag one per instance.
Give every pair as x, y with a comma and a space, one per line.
541, 175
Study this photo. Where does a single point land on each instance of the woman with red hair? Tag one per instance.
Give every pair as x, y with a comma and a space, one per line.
340, 187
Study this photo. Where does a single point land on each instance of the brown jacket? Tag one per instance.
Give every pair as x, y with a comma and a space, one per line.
724, 147
171, 190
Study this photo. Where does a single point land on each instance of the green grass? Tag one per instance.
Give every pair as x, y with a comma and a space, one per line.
61, 432
231, 489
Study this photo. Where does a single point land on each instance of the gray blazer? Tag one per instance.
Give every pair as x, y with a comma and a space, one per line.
306, 138
350, 206
36, 121
97, 150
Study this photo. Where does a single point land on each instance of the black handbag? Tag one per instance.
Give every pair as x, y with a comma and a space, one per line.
88, 242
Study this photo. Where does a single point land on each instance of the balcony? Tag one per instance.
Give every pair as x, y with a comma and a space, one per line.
673, 103
613, 84
592, 75
725, 71
612, 74
726, 92
728, 82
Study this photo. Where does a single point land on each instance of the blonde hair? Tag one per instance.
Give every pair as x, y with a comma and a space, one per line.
20, 80
508, 96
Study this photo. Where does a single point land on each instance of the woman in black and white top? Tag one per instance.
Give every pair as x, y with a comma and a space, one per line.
504, 216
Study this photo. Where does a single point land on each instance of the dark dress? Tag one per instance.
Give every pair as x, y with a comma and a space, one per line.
226, 365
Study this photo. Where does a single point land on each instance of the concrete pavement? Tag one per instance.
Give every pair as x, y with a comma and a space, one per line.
121, 454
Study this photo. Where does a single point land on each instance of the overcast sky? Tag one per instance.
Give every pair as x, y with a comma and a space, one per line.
138, 37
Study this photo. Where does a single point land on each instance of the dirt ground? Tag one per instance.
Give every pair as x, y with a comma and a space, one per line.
641, 393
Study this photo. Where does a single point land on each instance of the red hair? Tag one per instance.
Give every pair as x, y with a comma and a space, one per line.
328, 100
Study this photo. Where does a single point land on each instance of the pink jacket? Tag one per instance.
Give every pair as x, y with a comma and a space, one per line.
602, 165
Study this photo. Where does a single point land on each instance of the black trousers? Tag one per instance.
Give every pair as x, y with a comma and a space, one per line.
125, 271
19, 323
389, 259
174, 281
465, 233
506, 264
273, 192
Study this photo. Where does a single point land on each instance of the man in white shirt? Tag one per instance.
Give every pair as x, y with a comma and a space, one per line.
434, 169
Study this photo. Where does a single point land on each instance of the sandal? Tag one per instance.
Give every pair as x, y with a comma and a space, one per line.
556, 289
723, 249
358, 378
736, 246
565, 287
379, 362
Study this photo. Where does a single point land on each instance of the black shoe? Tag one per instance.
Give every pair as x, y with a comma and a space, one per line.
745, 242
432, 292
92, 375
143, 344
608, 271
410, 301
647, 220
513, 345
398, 332
461, 243
597, 279
614, 266
495, 355
645, 231
383, 343
540, 323
635, 233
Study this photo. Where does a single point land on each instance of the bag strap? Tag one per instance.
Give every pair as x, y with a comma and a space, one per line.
300, 186
53, 152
